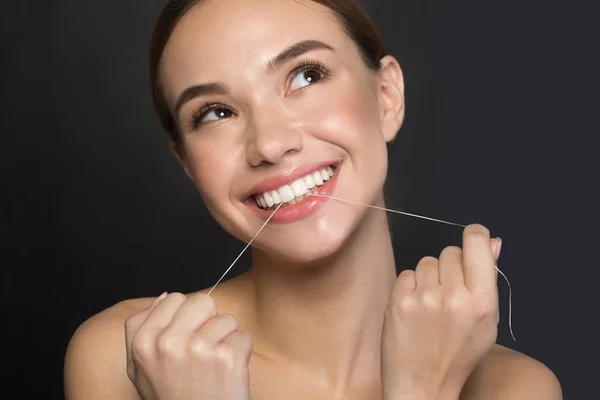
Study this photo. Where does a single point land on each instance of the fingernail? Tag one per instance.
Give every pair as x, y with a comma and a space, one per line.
159, 298
498, 248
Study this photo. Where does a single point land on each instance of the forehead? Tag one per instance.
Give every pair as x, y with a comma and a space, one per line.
221, 40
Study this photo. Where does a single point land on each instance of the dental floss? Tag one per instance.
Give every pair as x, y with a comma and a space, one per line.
445, 222
384, 209
248, 245
388, 209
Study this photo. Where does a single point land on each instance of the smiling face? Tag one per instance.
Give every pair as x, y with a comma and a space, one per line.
268, 93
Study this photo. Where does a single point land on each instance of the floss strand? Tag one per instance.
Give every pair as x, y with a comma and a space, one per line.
384, 209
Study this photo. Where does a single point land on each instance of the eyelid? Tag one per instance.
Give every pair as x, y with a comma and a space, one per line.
307, 65
197, 115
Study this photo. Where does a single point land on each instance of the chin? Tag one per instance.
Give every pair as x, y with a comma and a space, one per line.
309, 246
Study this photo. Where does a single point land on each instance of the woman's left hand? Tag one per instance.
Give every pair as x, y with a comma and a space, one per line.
441, 320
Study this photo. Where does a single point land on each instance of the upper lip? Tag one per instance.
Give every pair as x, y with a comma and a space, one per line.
287, 178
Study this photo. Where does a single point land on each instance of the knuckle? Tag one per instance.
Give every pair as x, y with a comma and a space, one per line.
199, 348
431, 299
142, 345
226, 356
456, 302
168, 344
405, 303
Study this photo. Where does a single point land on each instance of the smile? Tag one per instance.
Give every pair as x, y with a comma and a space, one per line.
295, 192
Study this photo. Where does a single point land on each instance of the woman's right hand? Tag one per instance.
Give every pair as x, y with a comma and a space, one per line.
182, 348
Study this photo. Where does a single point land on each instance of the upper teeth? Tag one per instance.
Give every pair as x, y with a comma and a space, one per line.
294, 191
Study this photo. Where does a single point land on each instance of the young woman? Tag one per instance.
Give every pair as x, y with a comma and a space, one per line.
268, 102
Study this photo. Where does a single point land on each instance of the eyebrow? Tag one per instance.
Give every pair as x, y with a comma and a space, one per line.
290, 53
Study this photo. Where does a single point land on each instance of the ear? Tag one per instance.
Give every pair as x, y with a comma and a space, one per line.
179, 153
391, 97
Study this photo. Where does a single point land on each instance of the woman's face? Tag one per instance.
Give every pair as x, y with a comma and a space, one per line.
269, 125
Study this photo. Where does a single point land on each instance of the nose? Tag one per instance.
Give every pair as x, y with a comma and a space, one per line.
272, 135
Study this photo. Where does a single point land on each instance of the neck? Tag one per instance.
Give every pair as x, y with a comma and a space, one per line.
327, 318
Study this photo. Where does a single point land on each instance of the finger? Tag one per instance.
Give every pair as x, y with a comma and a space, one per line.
496, 244
427, 272
162, 312
242, 342
406, 281
132, 325
451, 267
217, 329
478, 260
156, 300
194, 313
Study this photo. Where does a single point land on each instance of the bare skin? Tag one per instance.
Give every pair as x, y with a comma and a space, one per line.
502, 374
314, 298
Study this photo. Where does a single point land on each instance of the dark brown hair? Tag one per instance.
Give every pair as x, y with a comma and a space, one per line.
352, 16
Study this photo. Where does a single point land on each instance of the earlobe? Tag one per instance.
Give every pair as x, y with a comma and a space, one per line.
179, 153
391, 94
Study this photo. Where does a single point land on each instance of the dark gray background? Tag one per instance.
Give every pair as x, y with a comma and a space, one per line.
95, 209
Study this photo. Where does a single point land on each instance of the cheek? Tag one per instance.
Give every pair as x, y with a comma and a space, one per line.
355, 125
350, 120
212, 172
347, 112
358, 121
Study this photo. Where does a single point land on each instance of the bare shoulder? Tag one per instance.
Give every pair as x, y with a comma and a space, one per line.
508, 374
96, 362
96, 358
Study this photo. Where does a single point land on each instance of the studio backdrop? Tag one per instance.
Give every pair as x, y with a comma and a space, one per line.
96, 210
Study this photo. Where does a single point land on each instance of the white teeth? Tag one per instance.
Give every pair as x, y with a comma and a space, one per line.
318, 178
296, 191
286, 193
275, 196
299, 187
310, 182
268, 199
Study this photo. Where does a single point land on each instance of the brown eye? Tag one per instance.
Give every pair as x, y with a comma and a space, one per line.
215, 114
306, 77
210, 113
311, 76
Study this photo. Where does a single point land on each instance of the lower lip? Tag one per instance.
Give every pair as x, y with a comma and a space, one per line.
301, 210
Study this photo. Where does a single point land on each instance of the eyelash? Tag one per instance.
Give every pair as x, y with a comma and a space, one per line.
302, 66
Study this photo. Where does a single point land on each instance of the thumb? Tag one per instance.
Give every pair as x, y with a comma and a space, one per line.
496, 245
